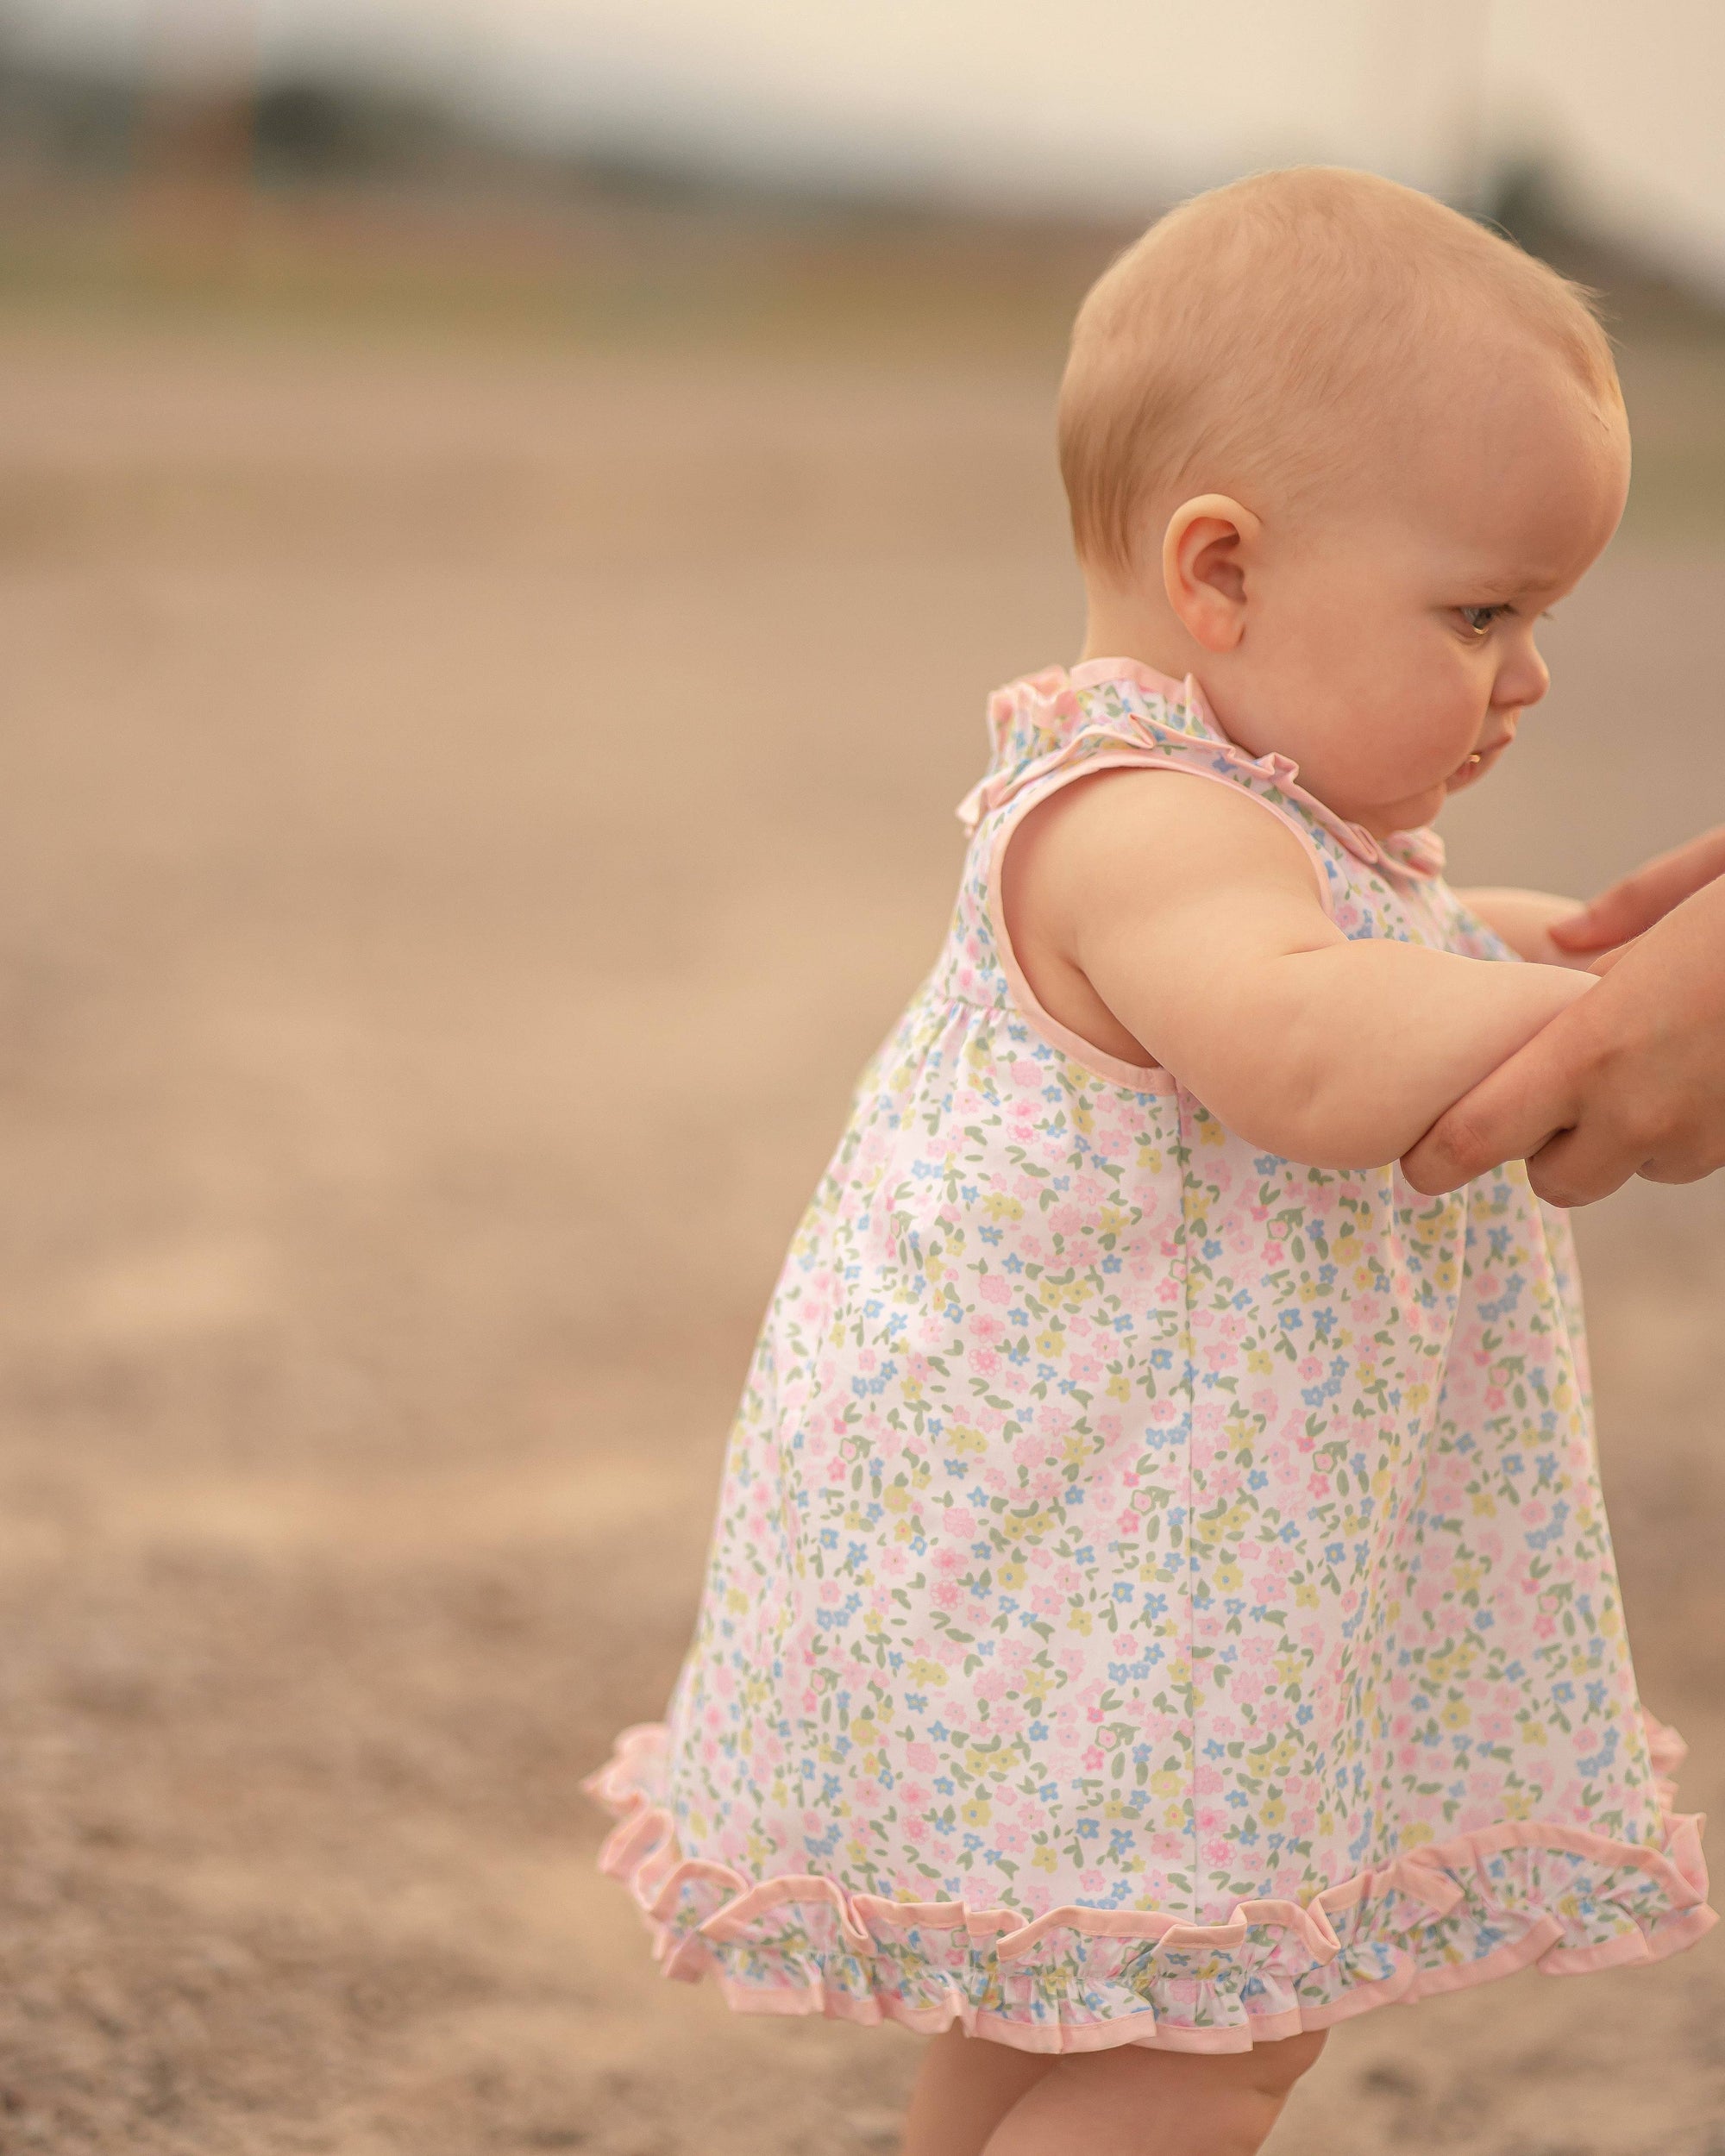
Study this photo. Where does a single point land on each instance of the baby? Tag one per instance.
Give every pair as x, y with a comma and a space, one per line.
1161, 1603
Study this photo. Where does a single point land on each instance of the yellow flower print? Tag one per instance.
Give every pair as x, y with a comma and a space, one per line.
1010, 1574
1414, 1832
977, 1811
896, 1497
1273, 1811
1050, 1342
1120, 1385
1081, 1620
1305, 1595
962, 1439
1210, 1132
922, 1671
1457, 1714
1043, 1857
1229, 1577
999, 1207
1259, 1363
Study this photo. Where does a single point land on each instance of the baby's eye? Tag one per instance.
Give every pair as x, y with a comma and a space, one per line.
1479, 619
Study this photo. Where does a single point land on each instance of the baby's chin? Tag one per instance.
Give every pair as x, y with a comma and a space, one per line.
1411, 815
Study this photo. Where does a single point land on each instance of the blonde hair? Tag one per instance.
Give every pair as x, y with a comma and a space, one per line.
1241, 339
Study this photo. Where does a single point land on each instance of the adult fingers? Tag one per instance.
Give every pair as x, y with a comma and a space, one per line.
1501, 1120
1579, 1167
1636, 901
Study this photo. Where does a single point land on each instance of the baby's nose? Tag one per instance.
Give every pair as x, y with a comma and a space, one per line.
1523, 681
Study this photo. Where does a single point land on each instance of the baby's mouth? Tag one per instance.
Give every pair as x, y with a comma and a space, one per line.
1482, 759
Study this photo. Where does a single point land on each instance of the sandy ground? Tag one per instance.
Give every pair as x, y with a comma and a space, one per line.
467, 813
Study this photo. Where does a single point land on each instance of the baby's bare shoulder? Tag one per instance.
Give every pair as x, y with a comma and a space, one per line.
1150, 832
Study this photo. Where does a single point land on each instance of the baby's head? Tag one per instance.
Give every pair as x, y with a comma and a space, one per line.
1333, 449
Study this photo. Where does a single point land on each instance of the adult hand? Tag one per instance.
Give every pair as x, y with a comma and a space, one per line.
1630, 1079
1633, 903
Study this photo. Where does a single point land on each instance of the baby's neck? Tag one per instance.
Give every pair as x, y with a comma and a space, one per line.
1119, 627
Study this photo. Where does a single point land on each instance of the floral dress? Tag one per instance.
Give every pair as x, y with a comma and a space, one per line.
1160, 1592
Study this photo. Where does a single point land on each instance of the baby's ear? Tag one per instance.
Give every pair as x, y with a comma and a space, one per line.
1204, 553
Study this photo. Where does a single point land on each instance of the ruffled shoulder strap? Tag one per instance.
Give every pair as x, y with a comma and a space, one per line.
1048, 725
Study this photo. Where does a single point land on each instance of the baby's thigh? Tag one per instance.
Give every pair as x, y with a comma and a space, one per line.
1133, 2100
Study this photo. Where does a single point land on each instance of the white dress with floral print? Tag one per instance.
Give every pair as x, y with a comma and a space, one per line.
1160, 1592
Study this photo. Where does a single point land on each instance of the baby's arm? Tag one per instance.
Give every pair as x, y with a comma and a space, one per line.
1524, 918
1195, 917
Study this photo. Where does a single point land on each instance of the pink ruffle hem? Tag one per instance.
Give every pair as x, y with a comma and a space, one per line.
1444, 1916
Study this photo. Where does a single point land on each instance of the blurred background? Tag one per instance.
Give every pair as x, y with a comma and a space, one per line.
509, 512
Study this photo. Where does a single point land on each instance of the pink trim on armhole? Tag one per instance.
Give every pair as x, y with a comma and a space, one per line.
1136, 1077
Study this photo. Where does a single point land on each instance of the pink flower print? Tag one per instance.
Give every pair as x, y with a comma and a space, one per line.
1218, 1851
946, 1594
1084, 1369
924, 1759
985, 1362
1011, 1838
832, 1593
995, 1288
960, 1522
1311, 1369
1047, 1601
1031, 1450
916, 1829
991, 1684
948, 1562
1231, 1326
985, 1328
1026, 1074
1275, 1254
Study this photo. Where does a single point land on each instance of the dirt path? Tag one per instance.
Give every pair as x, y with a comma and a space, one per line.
467, 816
